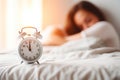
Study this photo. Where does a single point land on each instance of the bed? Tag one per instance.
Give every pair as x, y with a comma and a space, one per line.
89, 62
75, 60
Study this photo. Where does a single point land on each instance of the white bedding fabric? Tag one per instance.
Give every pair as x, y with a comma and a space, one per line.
71, 61
105, 31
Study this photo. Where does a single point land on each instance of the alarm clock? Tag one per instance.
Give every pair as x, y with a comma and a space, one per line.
30, 48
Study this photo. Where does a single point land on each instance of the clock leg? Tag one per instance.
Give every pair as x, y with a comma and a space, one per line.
21, 62
37, 62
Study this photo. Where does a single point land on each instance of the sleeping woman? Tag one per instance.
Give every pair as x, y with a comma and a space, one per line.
83, 20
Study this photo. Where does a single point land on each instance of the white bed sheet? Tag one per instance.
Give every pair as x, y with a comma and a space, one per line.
101, 63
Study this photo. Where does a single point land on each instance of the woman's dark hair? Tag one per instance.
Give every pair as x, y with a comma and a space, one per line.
70, 26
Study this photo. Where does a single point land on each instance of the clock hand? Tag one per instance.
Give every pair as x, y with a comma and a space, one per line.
29, 46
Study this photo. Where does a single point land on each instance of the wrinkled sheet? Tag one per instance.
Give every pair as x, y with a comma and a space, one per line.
65, 63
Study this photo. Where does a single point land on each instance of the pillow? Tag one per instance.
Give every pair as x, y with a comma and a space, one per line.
80, 44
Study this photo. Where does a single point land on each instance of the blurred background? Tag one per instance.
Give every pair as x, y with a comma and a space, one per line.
15, 14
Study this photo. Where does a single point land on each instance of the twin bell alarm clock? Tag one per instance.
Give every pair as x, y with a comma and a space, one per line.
30, 48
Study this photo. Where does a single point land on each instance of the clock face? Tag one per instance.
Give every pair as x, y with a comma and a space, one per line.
30, 49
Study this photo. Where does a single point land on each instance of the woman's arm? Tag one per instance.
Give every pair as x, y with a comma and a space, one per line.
53, 35
73, 37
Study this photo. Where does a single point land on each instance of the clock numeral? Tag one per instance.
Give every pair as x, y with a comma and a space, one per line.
37, 54
34, 57
22, 53
26, 57
23, 45
37, 45
21, 49
30, 58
